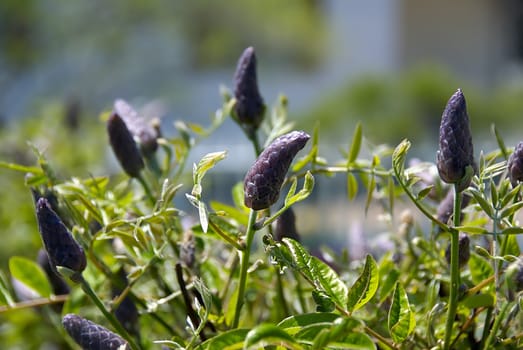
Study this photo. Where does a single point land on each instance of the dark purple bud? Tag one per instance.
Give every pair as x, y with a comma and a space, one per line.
249, 108
124, 147
464, 250
146, 133
264, 179
286, 226
59, 243
456, 151
58, 284
515, 165
126, 312
446, 207
91, 336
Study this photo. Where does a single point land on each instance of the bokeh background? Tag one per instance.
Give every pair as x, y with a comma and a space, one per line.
391, 64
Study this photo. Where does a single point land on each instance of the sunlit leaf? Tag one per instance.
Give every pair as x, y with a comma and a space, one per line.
479, 300
229, 340
323, 301
480, 269
293, 324
365, 286
401, 320
269, 334
30, 274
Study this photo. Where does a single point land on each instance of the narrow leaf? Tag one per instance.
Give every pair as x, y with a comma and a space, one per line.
268, 334
204, 220
365, 286
354, 149
480, 269
352, 186
230, 340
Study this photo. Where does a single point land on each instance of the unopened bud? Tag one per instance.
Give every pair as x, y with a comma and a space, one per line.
91, 336
286, 226
515, 165
124, 146
264, 179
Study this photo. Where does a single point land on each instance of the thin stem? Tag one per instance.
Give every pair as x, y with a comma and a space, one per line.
299, 290
146, 189
381, 338
454, 269
35, 303
496, 325
244, 264
225, 236
110, 317
284, 310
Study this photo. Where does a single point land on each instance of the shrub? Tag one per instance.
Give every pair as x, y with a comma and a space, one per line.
147, 275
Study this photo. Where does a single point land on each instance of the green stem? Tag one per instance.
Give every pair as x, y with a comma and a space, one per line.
244, 264
496, 325
110, 317
146, 188
283, 309
454, 270
299, 290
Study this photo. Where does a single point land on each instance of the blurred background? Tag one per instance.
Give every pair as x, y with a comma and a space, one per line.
391, 64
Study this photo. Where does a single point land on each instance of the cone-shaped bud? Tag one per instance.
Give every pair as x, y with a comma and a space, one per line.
446, 207
249, 108
286, 226
91, 336
456, 151
146, 133
463, 248
515, 165
123, 146
59, 243
264, 179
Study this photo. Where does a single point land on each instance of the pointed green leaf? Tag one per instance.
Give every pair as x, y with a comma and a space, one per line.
355, 146
391, 191
205, 164
293, 324
352, 186
269, 334
365, 286
479, 300
401, 319
512, 209
5, 294
317, 272
483, 203
512, 245
370, 191
399, 155
292, 190
475, 230
512, 231
308, 185
30, 274
424, 192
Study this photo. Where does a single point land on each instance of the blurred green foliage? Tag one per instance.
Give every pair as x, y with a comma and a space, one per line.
410, 106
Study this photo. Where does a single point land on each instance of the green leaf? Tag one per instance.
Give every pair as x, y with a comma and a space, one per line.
352, 186
323, 302
512, 247
483, 203
268, 334
5, 294
512, 231
475, 230
424, 192
480, 269
512, 209
230, 340
202, 212
399, 155
391, 191
401, 320
205, 164
22, 168
479, 300
317, 272
308, 185
355, 146
365, 286
293, 324
30, 274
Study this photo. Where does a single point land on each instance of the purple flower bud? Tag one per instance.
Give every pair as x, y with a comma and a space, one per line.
123, 146
91, 336
146, 133
264, 179
464, 250
59, 243
456, 151
286, 226
515, 165
249, 108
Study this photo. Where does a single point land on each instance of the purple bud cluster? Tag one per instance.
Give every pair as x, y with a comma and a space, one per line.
91, 336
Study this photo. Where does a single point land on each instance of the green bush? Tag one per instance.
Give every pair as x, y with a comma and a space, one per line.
217, 278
